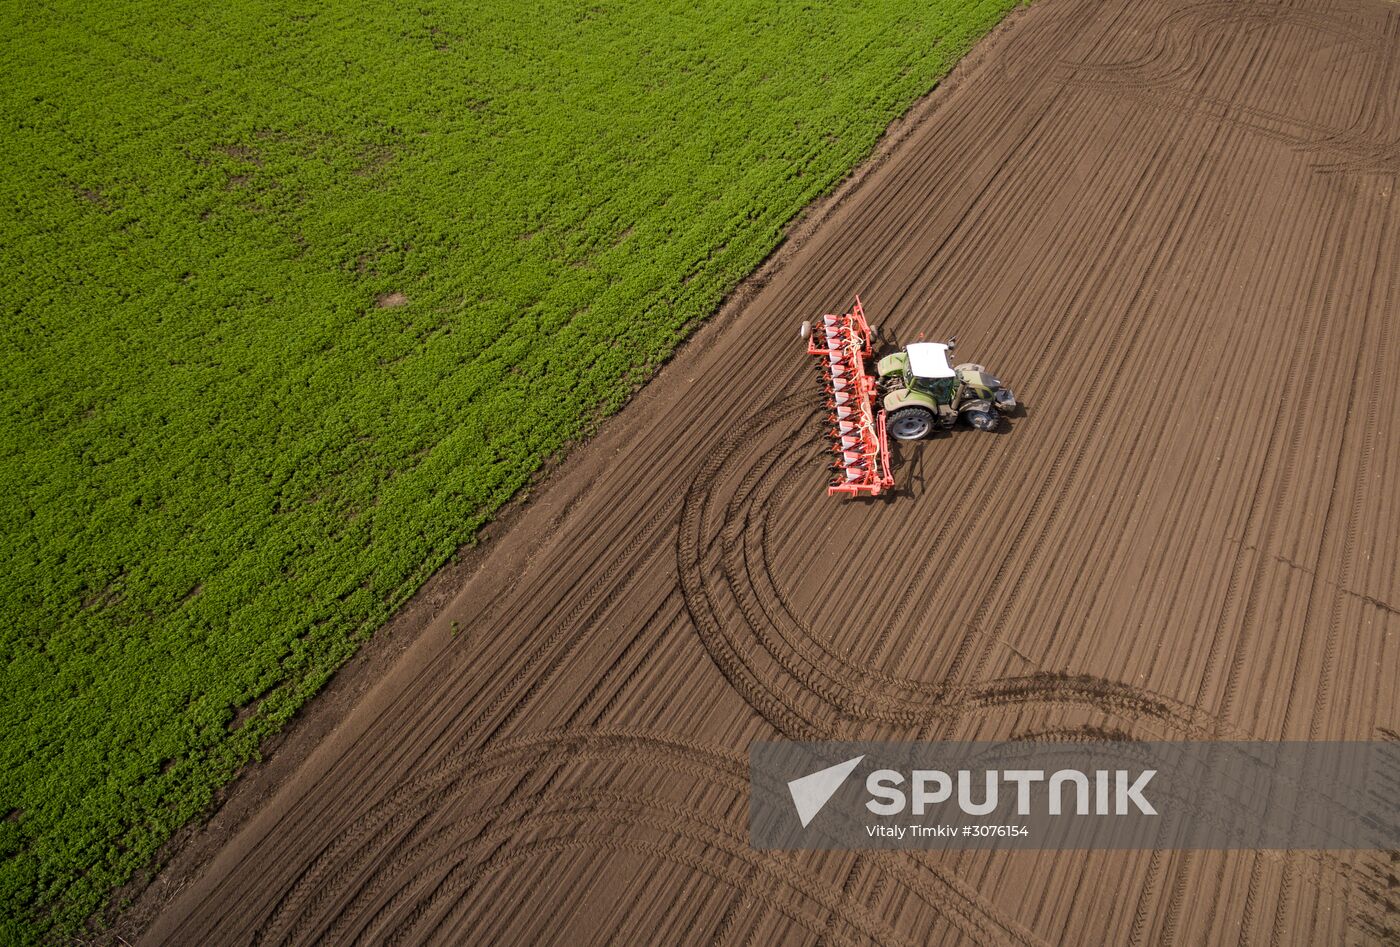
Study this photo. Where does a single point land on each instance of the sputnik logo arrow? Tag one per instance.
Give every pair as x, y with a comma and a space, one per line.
811, 792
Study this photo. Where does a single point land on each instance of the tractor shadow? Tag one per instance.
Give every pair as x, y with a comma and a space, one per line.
906, 485
1009, 421
912, 456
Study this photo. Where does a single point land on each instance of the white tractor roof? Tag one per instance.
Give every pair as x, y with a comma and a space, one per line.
929, 360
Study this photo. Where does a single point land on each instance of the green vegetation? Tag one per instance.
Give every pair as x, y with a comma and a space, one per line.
297, 294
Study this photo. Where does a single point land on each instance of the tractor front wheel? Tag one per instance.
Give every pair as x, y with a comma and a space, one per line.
910, 424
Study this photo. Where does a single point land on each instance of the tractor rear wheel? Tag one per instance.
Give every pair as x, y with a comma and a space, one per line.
910, 424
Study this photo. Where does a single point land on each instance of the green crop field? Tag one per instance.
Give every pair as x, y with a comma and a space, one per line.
297, 294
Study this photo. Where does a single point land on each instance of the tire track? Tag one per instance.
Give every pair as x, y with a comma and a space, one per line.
464, 778
835, 689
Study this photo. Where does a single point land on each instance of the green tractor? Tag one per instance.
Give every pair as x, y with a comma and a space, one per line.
921, 392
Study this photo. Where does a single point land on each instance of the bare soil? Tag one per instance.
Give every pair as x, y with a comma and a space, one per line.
1173, 229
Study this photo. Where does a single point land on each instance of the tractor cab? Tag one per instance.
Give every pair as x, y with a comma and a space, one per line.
922, 367
928, 371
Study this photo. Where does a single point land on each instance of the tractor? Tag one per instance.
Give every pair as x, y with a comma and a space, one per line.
921, 392
913, 392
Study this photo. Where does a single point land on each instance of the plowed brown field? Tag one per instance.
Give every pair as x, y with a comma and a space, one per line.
1173, 229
